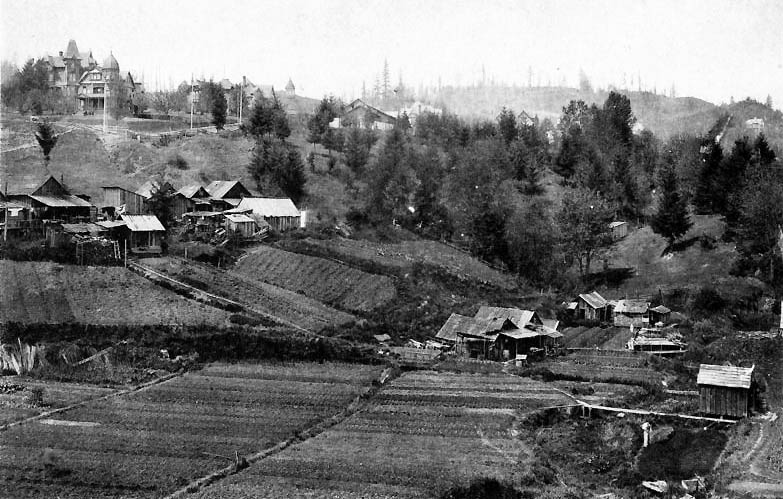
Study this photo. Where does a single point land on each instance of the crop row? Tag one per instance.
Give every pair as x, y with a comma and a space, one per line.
43, 292
260, 296
150, 442
326, 281
409, 442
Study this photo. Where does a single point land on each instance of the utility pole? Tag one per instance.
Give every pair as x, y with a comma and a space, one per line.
6, 211
105, 116
241, 98
192, 100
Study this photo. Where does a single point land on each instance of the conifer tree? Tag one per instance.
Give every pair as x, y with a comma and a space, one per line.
46, 139
671, 220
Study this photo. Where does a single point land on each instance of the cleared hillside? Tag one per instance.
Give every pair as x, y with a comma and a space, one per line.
45, 292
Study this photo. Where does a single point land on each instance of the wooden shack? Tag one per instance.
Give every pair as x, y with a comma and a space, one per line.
724, 390
280, 213
240, 224
121, 200
592, 307
144, 233
619, 229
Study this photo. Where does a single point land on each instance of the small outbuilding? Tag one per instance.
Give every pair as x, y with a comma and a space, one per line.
280, 213
631, 313
660, 314
592, 307
144, 233
240, 224
724, 390
619, 229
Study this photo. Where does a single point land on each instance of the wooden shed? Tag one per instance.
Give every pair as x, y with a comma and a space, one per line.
144, 233
280, 213
592, 306
240, 224
619, 229
115, 197
724, 390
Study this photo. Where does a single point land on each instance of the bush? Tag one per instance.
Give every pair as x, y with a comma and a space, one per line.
178, 162
484, 488
35, 397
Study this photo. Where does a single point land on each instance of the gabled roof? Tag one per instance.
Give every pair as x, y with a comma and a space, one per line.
150, 186
56, 61
219, 188
660, 309
594, 300
269, 207
631, 307
726, 376
27, 184
551, 323
460, 324
519, 334
68, 201
518, 317
142, 223
239, 218
193, 190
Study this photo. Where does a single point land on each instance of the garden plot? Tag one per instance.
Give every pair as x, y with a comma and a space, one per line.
259, 296
421, 435
45, 292
405, 254
18, 396
324, 280
151, 442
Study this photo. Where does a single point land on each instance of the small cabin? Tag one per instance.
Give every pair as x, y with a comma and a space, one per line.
144, 233
592, 307
619, 229
240, 224
724, 391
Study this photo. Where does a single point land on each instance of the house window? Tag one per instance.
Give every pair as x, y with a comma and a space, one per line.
95, 76
97, 90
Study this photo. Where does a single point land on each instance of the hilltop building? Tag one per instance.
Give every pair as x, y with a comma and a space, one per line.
78, 75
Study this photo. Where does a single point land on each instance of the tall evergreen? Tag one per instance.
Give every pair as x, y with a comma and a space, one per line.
671, 220
46, 139
707, 193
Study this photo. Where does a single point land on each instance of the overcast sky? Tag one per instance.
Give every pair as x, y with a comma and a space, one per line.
712, 49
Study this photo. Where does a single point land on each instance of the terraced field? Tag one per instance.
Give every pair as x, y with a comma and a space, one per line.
151, 442
15, 401
45, 292
256, 295
324, 280
406, 253
422, 434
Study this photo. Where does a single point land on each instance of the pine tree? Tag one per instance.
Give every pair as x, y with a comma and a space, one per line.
672, 220
46, 139
219, 107
706, 195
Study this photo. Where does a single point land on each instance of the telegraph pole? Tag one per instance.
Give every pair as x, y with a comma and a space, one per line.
6, 211
241, 98
105, 116
192, 100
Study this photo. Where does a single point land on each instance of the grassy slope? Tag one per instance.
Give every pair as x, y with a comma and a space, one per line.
643, 250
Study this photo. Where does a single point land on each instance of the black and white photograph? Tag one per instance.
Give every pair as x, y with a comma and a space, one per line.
404, 249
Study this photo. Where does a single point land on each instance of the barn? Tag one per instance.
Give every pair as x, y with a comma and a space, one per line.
279, 213
724, 390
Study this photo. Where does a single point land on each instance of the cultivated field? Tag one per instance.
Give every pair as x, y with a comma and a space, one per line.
611, 338
405, 254
16, 403
259, 296
422, 434
324, 280
45, 292
151, 442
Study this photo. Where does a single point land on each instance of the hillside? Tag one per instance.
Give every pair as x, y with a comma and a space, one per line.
745, 110
664, 116
44, 292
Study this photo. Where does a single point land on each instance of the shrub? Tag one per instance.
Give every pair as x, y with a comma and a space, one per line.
484, 488
178, 162
35, 397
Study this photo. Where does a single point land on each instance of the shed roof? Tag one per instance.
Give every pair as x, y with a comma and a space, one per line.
551, 323
631, 307
660, 309
594, 299
142, 223
239, 218
270, 207
727, 376
84, 228
498, 315
219, 188
460, 324
62, 201
616, 224
519, 334
111, 224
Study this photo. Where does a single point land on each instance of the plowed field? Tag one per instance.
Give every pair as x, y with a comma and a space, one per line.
324, 280
45, 292
151, 442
